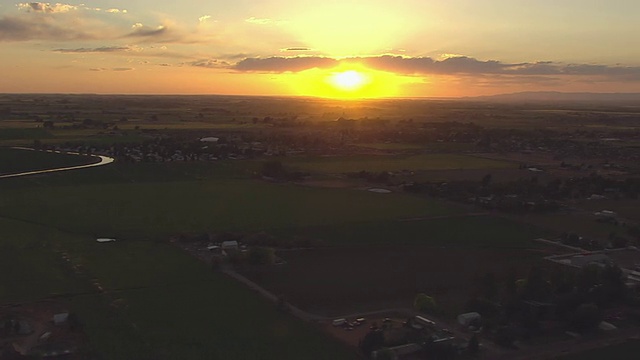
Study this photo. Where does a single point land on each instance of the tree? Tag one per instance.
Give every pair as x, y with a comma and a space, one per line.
489, 286
273, 169
372, 341
424, 303
386, 354
474, 345
486, 180
586, 317
261, 256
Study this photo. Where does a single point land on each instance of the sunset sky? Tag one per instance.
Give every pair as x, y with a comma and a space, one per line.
345, 48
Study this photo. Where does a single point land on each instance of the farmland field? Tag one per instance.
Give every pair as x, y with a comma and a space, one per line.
444, 231
145, 290
18, 160
161, 209
359, 279
344, 164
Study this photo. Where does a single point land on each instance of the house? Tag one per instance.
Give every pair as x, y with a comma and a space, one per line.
423, 321
230, 245
339, 322
398, 352
589, 259
210, 139
469, 319
606, 214
61, 318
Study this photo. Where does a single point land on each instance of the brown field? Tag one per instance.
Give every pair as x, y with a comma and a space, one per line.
356, 280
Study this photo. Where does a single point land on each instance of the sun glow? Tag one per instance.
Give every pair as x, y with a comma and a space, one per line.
349, 80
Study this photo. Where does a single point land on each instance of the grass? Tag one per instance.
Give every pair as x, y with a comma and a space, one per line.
31, 266
625, 351
345, 164
469, 232
164, 208
433, 146
169, 305
28, 133
15, 161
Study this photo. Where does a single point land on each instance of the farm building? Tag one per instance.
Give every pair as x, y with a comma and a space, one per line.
230, 245
591, 259
210, 139
469, 319
60, 318
397, 352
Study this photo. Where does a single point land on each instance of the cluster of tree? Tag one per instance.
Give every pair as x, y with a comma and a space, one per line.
425, 304
528, 194
254, 256
382, 177
275, 170
516, 308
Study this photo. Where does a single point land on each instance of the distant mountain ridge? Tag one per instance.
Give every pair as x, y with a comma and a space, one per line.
560, 96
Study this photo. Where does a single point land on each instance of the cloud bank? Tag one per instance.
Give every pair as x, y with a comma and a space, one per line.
461, 65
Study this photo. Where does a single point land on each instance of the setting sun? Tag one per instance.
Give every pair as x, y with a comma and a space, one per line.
348, 80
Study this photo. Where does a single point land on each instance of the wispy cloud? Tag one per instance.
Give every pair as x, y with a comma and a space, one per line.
118, 69
139, 30
102, 49
296, 48
23, 29
47, 7
116, 11
210, 63
264, 21
280, 64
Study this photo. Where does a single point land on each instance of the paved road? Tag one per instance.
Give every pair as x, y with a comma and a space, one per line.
104, 160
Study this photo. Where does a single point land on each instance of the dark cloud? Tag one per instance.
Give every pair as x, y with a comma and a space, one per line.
279, 64
461, 65
103, 49
123, 69
24, 29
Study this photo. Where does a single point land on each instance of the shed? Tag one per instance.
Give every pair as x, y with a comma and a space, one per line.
339, 322
230, 245
61, 318
209, 139
468, 319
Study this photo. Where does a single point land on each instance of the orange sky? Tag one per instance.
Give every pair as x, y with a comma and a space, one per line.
405, 48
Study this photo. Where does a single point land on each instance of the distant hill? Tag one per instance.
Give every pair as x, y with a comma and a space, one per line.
555, 96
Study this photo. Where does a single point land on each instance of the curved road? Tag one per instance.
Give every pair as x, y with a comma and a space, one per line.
104, 160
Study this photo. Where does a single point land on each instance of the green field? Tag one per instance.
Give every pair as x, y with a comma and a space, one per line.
625, 351
346, 164
161, 209
432, 146
16, 160
152, 282
468, 232
169, 305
